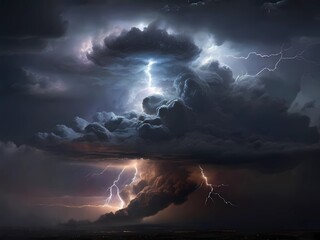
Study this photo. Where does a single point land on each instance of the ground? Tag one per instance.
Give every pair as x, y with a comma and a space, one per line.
152, 232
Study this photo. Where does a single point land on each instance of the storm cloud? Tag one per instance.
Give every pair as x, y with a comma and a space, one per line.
249, 21
231, 85
160, 186
26, 26
149, 41
216, 115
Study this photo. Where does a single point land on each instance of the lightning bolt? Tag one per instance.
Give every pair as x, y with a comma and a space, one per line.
212, 187
282, 57
114, 186
148, 72
151, 89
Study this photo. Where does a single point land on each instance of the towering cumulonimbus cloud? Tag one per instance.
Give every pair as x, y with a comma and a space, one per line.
162, 93
209, 117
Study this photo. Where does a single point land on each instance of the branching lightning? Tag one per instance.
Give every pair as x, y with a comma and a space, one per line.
114, 186
113, 191
282, 57
212, 187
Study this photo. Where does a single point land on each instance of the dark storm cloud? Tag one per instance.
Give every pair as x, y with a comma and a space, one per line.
26, 29
213, 119
244, 21
160, 185
51, 81
289, 195
152, 103
59, 67
250, 21
9, 72
151, 41
31, 18
26, 25
206, 116
12, 45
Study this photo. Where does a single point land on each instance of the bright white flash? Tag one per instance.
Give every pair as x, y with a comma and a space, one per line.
210, 51
212, 188
142, 25
138, 94
84, 49
148, 72
151, 89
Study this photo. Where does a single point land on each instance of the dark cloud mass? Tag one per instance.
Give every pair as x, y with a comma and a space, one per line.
242, 21
26, 25
218, 112
160, 186
105, 89
150, 41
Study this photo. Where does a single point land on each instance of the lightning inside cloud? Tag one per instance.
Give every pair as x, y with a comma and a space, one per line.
148, 73
282, 56
151, 89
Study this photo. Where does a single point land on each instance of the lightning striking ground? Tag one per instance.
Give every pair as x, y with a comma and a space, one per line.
212, 191
115, 186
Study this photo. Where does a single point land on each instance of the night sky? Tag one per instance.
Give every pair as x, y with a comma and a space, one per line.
190, 113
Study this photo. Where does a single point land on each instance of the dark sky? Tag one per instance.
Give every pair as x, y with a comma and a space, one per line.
153, 90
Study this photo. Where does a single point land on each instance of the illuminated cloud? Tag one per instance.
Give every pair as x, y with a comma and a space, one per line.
158, 186
151, 41
211, 112
151, 79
